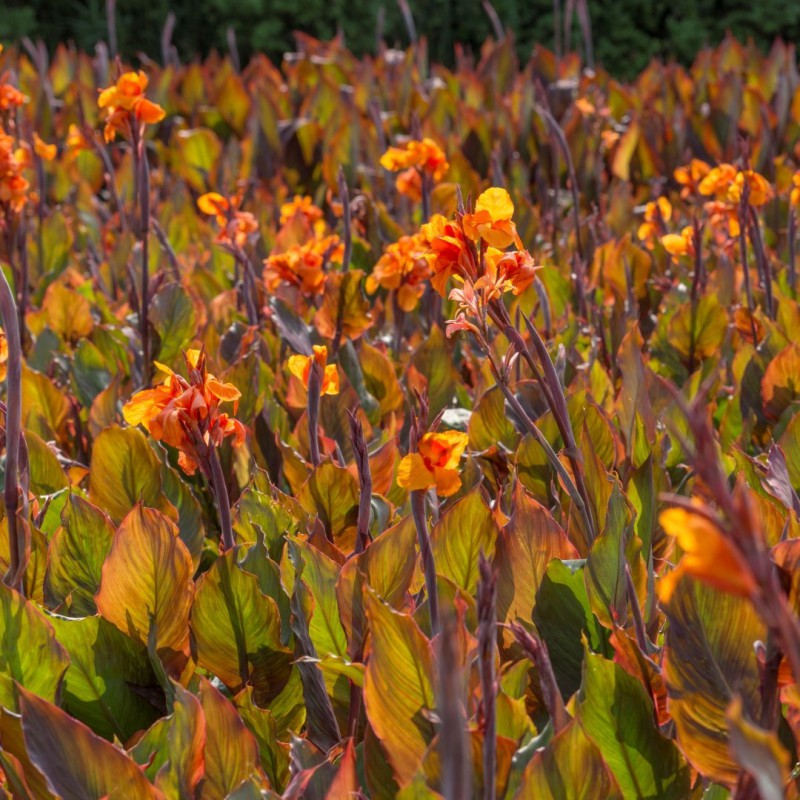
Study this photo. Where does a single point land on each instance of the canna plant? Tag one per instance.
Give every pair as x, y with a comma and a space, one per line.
485, 484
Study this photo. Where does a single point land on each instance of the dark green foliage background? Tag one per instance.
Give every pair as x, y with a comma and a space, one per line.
626, 33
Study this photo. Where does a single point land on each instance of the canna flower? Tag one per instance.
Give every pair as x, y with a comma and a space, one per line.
11, 97
690, 176
679, 244
13, 185
718, 180
300, 367
448, 251
303, 265
491, 220
404, 269
126, 104
185, 413
304, 206
795, 196
434, 464
656, 213
412, 160
513, 272
425, 155
236, 226
760, 189
708, 555
47, 152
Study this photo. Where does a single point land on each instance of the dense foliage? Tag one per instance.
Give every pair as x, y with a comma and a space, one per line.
625, 34
377, 429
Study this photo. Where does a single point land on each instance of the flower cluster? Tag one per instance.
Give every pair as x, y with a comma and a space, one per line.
13, 184
127, 109
404, 269
185, 413
236, 226
413, 160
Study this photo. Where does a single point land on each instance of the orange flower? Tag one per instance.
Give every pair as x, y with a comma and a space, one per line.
448, 252
185, 414
718, 180
303, 265
300, 205
708, 555
656, 213
491, 220
434, 464
236, 226
511, 272
689, 177
425, 155
402, 268
795, 196
47, 152
13, 185
125, 104
300, 367
11, 97
760, 189
679, 244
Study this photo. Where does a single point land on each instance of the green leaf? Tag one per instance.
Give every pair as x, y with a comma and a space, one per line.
489, 424
197, 154
709, 659
617, 715
569, 768
236, 630
320, 574
173, 316
398, 687
332, 493
563, 616
464, 531
104, 668
30, 656
76, 555
47, 477
123, 472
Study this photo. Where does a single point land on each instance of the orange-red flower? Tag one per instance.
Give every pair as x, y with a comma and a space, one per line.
795, 196
13, 185
404, 269
236, 226
300, 367
491, 220
656, 213
303, 205
125, 105
679, 244
689, 177
512, 271
448, 252
708, 555
185, 413
434, 464
10, 96
303, 265
411, 160
426, 155
47, 152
